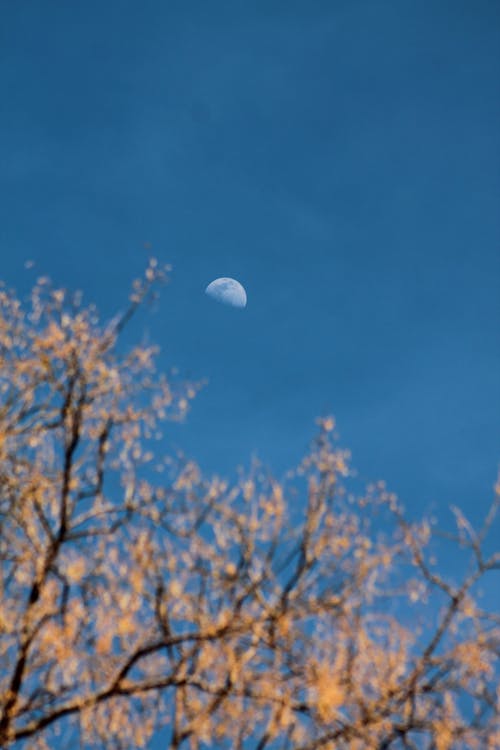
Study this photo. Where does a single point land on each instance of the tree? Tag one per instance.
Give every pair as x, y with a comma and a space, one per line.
137, 593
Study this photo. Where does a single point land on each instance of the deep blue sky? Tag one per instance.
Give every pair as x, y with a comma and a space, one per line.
340, 158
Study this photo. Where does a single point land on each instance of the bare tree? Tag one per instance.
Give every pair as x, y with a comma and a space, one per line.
138, 594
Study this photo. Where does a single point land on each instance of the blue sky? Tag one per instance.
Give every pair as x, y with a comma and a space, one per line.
341, 159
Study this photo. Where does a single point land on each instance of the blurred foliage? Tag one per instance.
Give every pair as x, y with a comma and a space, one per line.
136, 593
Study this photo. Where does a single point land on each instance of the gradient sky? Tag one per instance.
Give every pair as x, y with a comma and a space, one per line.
340, 158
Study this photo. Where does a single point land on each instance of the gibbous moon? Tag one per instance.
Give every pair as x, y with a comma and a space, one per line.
227, 291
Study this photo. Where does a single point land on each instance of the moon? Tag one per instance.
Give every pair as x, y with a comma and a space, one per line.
228, 291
